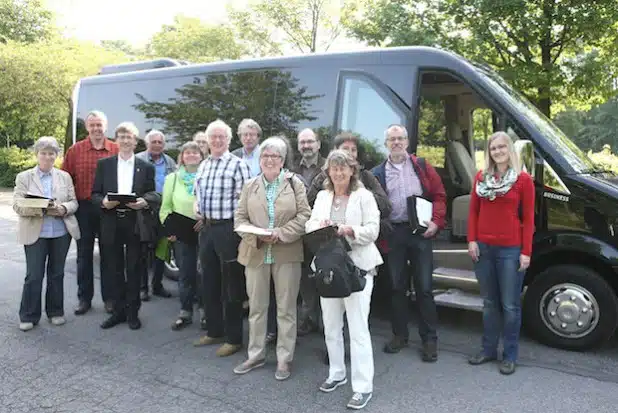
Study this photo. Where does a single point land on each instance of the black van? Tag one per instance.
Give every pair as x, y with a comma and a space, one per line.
450, 105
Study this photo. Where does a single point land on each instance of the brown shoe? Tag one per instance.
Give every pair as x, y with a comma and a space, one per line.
228, 349
207, 341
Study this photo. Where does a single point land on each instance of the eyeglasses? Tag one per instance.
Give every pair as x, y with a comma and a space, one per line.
271, 157
396, 138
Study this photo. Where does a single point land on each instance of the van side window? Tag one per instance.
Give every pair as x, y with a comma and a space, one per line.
367, 108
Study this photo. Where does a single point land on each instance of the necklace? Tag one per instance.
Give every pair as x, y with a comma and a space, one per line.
338, 201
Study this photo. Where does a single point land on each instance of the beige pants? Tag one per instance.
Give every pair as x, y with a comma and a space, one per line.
286, 278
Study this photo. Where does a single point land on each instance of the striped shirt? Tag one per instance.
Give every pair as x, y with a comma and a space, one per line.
218, 185
401, 183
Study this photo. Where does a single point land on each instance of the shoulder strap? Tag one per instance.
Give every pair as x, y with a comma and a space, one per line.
422, 163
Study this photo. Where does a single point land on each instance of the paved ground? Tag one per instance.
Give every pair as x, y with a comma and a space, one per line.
81, 368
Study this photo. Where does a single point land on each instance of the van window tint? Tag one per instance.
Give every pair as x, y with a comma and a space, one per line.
366, 110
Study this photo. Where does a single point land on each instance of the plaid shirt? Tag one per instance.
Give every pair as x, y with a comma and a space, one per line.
271, 194
80, 162
218, 185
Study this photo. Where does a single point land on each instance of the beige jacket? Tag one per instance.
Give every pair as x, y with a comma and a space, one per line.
291, 213
31, 219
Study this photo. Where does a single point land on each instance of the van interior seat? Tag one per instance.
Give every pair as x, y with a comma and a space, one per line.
461, 166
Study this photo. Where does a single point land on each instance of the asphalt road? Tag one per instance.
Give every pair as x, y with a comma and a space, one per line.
80, 368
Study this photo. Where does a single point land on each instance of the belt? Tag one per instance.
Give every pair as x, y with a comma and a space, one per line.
399, 223
121, 213
210, 222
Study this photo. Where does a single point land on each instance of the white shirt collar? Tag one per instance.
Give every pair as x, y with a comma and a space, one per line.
130, 161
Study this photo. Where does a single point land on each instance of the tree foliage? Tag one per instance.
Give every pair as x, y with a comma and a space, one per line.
592, 129
189, 38
547, 49
25, 21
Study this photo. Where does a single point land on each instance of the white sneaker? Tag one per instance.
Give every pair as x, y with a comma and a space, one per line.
26, 326
57, 321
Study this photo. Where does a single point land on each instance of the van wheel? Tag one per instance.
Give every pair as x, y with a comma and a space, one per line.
570, 307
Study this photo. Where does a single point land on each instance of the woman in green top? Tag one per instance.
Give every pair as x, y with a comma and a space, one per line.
178, 197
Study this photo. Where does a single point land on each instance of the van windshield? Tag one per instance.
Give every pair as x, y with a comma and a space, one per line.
574, 156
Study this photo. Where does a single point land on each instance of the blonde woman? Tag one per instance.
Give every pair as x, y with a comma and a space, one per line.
346, 203
501, 193
179, 197
275, 201
45, 233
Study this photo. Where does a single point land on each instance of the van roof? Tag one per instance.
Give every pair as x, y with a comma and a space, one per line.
378, 56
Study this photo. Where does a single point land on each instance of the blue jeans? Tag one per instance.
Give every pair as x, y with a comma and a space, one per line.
186, 259
500, 280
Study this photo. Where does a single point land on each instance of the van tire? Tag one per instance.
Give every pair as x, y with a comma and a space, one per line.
570, 293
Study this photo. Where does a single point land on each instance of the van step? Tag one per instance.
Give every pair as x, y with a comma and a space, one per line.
455, 273
455, 298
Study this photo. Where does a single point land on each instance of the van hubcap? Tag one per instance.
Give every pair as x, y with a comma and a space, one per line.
569, 310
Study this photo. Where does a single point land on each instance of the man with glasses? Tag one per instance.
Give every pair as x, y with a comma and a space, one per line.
218, 184
403, 175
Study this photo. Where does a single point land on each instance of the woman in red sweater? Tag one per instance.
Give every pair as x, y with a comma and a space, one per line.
500, 228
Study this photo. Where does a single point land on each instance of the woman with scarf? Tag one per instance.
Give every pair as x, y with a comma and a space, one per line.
500, 229
178, 197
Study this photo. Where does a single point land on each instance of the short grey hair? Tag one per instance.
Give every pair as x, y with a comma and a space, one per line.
127, 127
249, 124
219, 124
97, 114
396, 126
152, 133
275, 144
45, 143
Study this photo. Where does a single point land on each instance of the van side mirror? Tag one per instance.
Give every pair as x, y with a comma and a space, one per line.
525, 152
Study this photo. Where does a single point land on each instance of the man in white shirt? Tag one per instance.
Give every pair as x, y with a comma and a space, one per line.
123, 174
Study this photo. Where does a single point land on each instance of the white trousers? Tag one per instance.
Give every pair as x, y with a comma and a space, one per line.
356, 307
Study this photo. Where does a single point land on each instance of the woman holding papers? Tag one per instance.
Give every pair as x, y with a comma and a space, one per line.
273, 210
500, 228
178, 197
346, 203
44, 199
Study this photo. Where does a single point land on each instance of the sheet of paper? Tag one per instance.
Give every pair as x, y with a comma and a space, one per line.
250, 229
424, 211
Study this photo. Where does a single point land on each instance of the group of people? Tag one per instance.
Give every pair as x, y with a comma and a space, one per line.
261, 185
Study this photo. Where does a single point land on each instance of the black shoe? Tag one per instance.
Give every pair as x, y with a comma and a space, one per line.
161, 292
82, 308
395, 345
306, 327
143, 296
430, 352
113, 321
480, 358
507, 367
134, 323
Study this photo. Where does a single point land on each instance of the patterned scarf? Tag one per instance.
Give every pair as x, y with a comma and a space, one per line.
491, 186
188, 178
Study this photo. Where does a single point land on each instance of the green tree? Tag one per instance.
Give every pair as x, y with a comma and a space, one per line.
24, 21
232, 97
122, 46
307, 25
546, 49
189, 38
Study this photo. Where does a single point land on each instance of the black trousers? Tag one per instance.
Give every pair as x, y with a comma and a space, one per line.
89, 221
124, 265
405, 245
45, 257
223, 281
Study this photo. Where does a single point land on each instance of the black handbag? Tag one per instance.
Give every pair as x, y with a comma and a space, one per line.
335, 275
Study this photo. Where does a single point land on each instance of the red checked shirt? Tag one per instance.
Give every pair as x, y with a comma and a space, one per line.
80, 162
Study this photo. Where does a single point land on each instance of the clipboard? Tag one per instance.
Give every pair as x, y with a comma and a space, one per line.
180, 226
419, 210
124, 199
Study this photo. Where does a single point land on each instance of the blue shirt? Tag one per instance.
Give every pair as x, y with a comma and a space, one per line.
160, 172
53, 227
253, 160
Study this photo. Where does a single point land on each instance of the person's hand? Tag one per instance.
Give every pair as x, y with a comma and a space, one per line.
198, 225
432, 229
473, 251
56, 210
272, 238
107, 204
171, 238
345, 230
524, 262
140, 203
326, 223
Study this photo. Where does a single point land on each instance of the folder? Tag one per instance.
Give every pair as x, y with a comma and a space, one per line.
420, 210
182, 227
124, 199
315, 239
